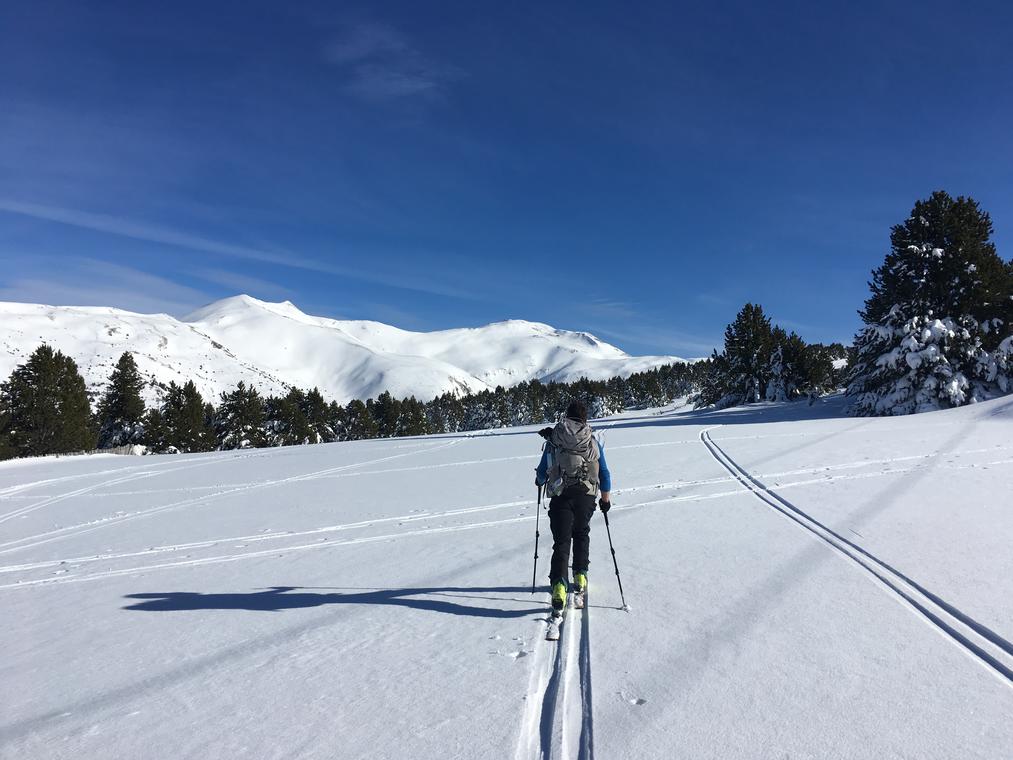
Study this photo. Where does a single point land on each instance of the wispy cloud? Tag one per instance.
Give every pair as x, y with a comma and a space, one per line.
242, 283
379, 64
146, 232
404, 280
666, 341
712, 299
91, 282
608, 309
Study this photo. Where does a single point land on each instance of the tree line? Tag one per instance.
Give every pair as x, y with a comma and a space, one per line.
762, 362
45, 409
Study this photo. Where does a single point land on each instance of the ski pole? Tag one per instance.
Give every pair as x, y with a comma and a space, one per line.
614, 562
538, 514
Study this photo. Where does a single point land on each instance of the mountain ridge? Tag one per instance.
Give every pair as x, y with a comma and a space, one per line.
275, 346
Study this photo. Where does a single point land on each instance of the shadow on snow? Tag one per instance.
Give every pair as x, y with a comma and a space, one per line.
826, 407
280, 598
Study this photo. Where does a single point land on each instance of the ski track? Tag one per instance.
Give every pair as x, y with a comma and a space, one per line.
415, 517
171, 461
407, 518
39, 539
983, 645
557, 720
145, 473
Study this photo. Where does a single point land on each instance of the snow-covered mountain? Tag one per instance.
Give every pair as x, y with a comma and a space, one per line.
274, 346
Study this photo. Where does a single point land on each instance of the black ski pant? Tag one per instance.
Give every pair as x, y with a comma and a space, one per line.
570, 520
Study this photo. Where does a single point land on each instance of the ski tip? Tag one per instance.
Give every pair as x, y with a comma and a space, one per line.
626, 608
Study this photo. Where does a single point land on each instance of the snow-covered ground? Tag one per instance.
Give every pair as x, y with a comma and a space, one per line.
802, 584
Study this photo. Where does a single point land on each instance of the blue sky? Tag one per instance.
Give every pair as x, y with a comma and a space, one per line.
636, 170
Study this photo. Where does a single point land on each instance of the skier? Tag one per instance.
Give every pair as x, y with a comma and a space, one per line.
573, 470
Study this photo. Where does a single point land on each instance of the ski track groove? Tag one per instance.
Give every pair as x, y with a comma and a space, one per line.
281, 550
368, 523
802, 471
412, 517
557, 721
147, 472
587, 714
978, 641
416, 516
29, 542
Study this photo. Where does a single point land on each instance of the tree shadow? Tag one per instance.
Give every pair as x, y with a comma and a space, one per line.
280, 598
826, 407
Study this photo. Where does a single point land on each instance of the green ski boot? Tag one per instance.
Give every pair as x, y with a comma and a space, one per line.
558, 597
579, 590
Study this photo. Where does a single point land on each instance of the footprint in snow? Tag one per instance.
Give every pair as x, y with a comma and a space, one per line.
633, 700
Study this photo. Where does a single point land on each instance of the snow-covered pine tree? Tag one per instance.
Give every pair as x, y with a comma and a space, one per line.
121, 410
714, 386
940, 311
748, 346
818, 373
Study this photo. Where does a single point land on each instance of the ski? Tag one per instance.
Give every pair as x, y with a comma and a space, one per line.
578, 599
555, 622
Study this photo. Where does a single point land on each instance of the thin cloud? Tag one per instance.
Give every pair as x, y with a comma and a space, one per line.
91, 282
162, 235
665, 341
242, 283
379, 64
145, 232
611, 309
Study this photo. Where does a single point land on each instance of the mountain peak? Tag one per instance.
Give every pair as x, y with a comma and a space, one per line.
234, 306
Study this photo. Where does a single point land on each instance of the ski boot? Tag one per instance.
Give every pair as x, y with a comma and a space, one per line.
579, 590
558, 606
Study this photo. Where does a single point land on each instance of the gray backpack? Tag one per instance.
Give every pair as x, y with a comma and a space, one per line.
573, 457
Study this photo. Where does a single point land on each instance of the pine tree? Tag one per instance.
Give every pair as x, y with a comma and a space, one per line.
192, 422
940, 309
787, 368
714, 387
154, 437
385, 410
239, 421
359, 422
285, 420
413, 418
44, 407
121, 409
315, 410
942, 264
748, 345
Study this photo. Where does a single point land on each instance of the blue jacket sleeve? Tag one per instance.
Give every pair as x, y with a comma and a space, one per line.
604, 476
541, 473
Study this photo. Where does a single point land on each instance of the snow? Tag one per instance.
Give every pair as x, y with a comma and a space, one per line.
372, 599
273, 346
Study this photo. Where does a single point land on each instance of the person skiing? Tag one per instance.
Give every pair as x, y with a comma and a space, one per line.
574, 471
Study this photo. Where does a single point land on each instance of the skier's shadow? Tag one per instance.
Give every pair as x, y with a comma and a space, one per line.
280, 598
